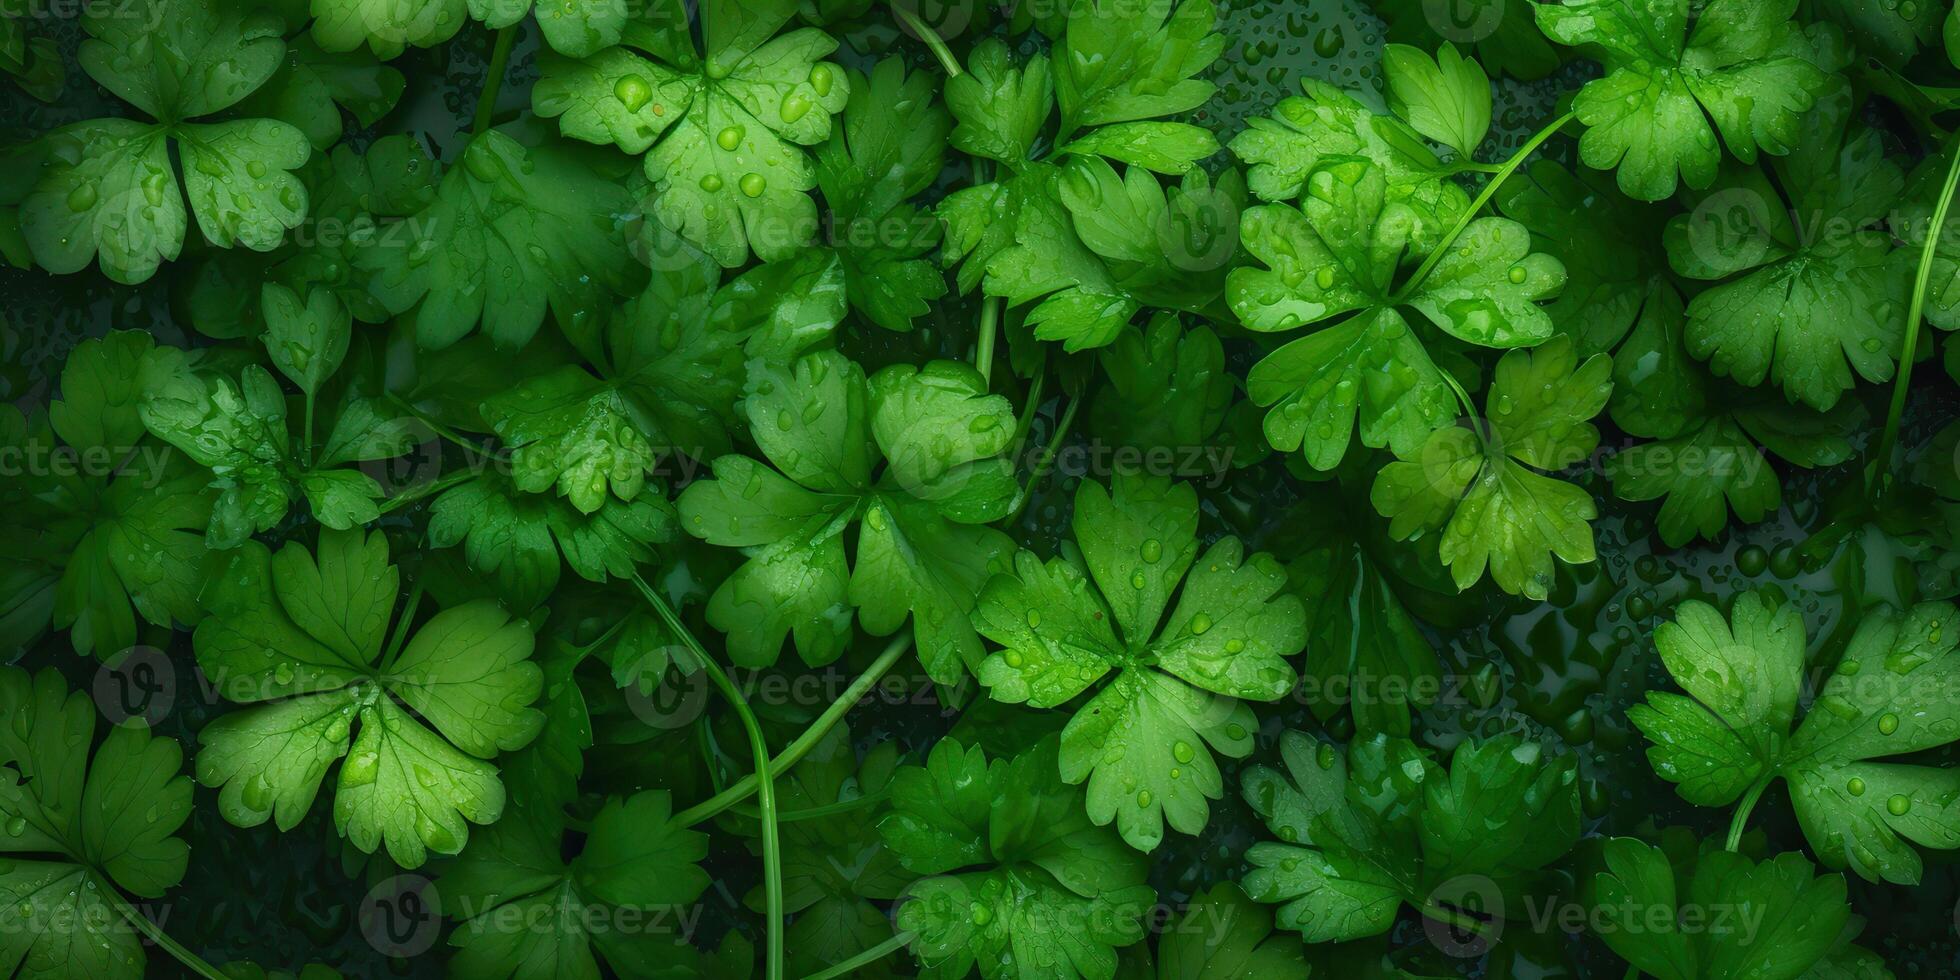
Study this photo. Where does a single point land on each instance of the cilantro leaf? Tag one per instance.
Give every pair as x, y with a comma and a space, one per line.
529, 913
1339, 253
1365, 831
1484, 489
1675, 80
723, 127
1801, 289
512, 232
1609, 244
1325, 125
1019, 877
80, 828
1800, 914
923, 548
301, 640
1733, 729
110, 191
1140, 739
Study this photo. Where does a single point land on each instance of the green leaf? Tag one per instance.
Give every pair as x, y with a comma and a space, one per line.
1236, 941
304, 635
110, 190
1164, 386
517, 538
1446, 98
1140, 739
723, 128
1484, 490
527, 913
1365, 831
1743, 679
512, 232
1805, 307
1674, 82
890, 147
1324, 126
306, 340
1499, 33
80, 829
1608, 243
386, 26
312, 87
572, 29
1786, 918
1020, 879
571, 431
1122, 64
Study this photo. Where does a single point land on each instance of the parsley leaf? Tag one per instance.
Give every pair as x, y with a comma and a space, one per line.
1140, 740
1020, 879
1800, 288
1223, 934
517, 538
723, 127
1743, 678
1483, 488
301, 640
1166, 386
529, 913
923, 549
890, 146
111, 190
1446, 98
512, 232
1675, 80
1500, 33
1800, 915
1711, 448
83, 828
1381, 825
386, 26
1339, 254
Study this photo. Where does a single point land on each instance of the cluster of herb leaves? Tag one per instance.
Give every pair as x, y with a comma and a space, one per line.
768, 321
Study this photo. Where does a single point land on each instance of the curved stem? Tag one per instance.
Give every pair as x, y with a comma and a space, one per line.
1743, 809
1455, 920
924, 32
983, 350
772, 853
1047, 458
493, 82
421, 491
818, 812
1483, 197
1883, 457
801, 747
191, 961
866, 958
436, 427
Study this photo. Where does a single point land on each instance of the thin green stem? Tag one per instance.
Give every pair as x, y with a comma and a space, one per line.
772, 851
429, 489
191, 961
306, 434
983, 349
817, 812
866, 958
1483, 197
436, 427
924, 32
1882, 459
1455, 920
801, 747
493, 82
1047, 459
401, 625
1744, 808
